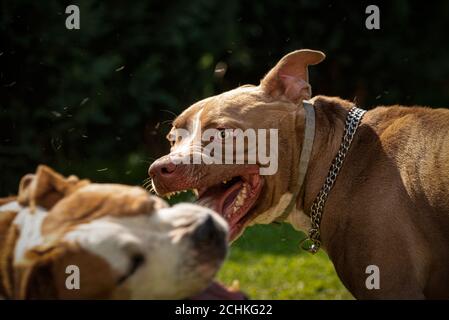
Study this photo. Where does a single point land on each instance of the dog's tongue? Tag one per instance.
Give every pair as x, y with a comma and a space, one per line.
212, 198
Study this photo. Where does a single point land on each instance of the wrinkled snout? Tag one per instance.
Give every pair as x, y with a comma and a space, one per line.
165, 174
202, 231
210, 234
203, 226
162, 167
209, 239
169, 174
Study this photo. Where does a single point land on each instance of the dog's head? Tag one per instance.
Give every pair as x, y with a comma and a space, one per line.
69, 238
241, 191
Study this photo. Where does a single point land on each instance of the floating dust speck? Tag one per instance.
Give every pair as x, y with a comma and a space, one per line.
9, 85
220, 69
83, 102
56, 114
102, 169
119, 68
56, 143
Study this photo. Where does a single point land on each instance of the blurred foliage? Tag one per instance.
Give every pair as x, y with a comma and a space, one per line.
98, 101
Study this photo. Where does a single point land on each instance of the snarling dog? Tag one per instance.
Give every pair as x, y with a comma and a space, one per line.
371, 188
119, 241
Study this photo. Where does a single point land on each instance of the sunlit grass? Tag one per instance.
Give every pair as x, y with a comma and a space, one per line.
269, 265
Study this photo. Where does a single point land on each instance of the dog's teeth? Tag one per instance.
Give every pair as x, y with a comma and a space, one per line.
225, 181
195, 191
170, 194
240, 200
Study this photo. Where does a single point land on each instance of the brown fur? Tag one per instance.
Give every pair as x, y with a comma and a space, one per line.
46, 187
33, 280
390, 204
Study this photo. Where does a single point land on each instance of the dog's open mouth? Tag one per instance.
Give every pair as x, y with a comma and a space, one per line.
233, 199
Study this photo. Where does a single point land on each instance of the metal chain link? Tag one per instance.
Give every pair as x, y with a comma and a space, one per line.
313, 242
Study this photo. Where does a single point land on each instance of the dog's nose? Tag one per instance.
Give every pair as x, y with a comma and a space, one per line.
161, 168
208, 233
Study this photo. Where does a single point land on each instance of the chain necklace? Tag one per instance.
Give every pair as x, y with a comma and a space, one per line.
313, 242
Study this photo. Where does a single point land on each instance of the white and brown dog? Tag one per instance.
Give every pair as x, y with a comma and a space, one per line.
125, 243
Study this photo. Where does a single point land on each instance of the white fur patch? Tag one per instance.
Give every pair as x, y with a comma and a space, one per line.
297, 218
193, 142
11, 206
105, 238
29, 225
274, 212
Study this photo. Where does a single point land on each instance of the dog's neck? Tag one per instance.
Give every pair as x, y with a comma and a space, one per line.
330, 115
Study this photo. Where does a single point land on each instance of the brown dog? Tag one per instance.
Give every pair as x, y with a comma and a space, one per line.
389, 206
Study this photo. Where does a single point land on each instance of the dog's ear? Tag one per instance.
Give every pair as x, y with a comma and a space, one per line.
35, 281
290, 78
34, 277
48, 271
46, 187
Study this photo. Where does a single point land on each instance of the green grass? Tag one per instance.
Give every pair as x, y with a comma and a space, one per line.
269, 264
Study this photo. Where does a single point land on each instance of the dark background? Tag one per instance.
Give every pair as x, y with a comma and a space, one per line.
98, 101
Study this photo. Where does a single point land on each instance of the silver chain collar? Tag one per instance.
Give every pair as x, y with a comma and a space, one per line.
313, 242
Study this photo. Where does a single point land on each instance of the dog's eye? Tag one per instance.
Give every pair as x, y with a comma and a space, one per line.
136, 261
